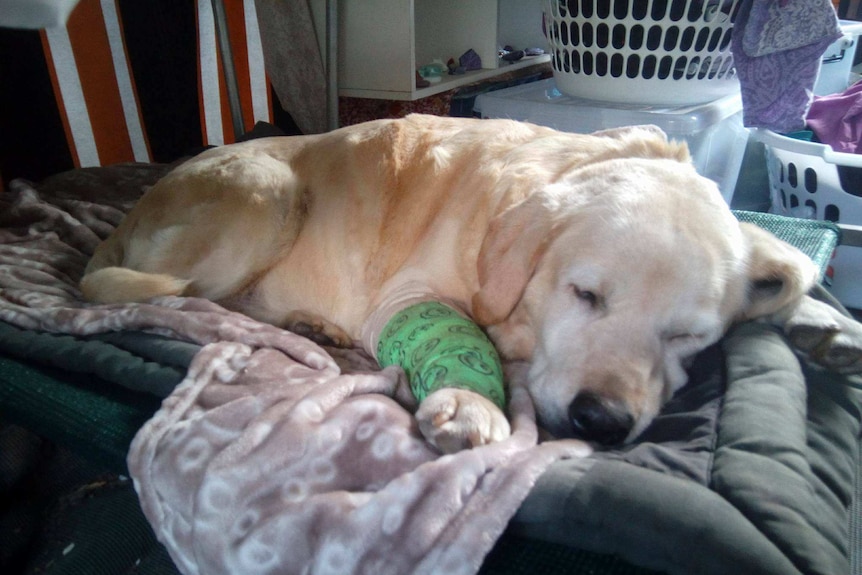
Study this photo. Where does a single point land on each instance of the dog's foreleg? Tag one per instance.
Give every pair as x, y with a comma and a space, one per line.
454, 372
823, 334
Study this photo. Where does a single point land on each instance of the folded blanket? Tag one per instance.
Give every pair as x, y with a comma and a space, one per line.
271, 453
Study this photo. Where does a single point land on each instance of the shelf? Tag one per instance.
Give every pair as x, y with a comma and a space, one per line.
381, 43
447, 82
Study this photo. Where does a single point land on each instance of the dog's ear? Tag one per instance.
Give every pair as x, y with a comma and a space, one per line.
515, 242
778, 273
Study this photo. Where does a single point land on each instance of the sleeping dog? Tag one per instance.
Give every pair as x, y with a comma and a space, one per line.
604, 261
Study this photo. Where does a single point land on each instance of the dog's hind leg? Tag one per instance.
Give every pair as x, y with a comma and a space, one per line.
105, 281
316, 328
209, 229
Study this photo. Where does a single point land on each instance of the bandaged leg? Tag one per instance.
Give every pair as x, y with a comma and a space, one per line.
438, 348
453, 369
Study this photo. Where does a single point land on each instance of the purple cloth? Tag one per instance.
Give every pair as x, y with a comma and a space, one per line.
836, 119
777, 60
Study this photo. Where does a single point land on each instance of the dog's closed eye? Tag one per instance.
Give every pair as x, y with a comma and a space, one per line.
587, 297
685, 343
683, 338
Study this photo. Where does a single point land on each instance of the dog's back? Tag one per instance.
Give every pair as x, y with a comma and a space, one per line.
327, 224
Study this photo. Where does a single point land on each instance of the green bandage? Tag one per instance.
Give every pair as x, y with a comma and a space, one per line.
437, 347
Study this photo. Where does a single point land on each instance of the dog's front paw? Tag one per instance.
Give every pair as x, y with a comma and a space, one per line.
826, 336
838, 350
455, 419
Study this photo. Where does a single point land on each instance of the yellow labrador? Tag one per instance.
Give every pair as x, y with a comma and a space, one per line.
604, 261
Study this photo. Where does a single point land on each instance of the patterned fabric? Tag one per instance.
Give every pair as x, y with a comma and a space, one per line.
774, 26
777, 78
437, 348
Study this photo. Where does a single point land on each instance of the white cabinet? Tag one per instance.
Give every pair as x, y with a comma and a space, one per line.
381, 43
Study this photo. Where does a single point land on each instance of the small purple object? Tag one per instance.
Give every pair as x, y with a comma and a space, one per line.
470, 60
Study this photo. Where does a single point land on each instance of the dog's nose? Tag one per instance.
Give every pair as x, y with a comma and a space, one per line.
599, 419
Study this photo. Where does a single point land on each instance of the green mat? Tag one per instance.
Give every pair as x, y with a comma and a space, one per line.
817, 239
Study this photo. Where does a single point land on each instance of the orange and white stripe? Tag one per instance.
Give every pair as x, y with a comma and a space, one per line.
94, 87
253, 84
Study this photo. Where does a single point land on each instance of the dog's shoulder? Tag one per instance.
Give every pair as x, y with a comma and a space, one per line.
645, 141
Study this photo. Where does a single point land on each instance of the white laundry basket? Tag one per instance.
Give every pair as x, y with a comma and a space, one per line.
713, 131
663, 52
811, 180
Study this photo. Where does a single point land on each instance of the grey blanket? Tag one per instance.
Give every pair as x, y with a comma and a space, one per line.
277, 455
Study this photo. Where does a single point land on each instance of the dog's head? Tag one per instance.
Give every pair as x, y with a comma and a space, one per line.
616, 274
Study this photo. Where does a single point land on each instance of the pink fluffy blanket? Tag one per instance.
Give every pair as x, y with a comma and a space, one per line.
274, 455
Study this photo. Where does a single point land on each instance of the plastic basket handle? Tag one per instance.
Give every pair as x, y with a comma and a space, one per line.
822, 151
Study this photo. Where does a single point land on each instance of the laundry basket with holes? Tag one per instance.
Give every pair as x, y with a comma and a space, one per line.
811, 180
664, 52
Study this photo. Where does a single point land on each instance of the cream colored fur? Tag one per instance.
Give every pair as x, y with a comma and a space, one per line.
603, 261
